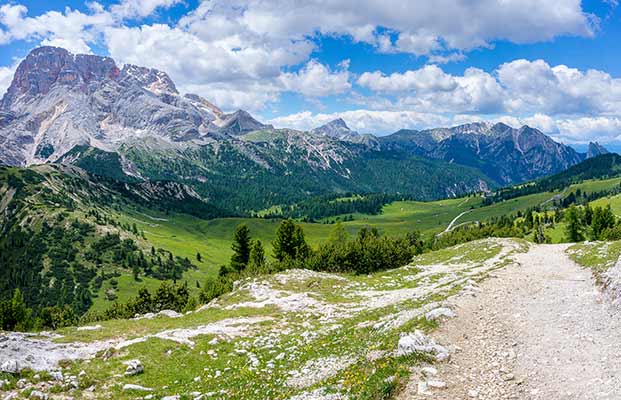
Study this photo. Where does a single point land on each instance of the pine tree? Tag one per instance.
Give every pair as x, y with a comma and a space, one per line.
290, 242
588, 214
241, 247
198, 257
574, 226
135, 271
603, 219
256, 261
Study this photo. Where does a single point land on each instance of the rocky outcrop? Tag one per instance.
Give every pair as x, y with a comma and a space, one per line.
58, 100
595, 149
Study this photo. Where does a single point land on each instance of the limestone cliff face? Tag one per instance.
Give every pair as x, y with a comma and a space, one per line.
58, 100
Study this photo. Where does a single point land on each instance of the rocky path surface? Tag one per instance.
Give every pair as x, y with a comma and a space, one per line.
538, 329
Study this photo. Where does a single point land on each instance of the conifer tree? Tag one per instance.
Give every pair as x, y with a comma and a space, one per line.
241, 247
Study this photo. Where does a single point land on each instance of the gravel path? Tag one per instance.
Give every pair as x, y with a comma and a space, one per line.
450, 226
538, 329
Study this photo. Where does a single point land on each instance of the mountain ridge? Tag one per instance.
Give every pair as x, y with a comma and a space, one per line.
59, 102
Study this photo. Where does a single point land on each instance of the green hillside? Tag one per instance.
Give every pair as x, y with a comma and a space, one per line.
109, 239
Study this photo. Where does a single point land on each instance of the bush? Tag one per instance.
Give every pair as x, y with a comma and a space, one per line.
369, 252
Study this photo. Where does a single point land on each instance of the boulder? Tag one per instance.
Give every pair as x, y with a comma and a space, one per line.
38, 395
138, 388
10, 367
134, 367
418, 342
56, 375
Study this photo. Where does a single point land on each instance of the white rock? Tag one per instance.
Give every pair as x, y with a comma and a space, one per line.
473, 393
10, 367
134, 367
508, 377
436, 384
130, 386
417, 342
56, 375
89, 328
439, 313
422, 388
35, 394
429, 371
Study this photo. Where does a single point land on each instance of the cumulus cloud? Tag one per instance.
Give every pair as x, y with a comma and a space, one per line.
429, 88
536, 86
519, 87
6, 75
140, 8
71, 28
430, 26
364, 121
316, 80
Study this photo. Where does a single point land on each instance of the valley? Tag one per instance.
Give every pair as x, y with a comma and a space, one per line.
154, 246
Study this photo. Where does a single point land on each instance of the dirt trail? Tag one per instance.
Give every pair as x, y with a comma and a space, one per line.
536, 330
450, 226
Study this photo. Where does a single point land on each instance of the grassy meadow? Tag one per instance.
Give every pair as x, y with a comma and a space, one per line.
186, 235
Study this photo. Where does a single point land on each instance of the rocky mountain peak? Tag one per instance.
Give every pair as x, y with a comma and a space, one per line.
151, 79
337, 128
239, 123
203, 103
339, 122
595, 149
47, 66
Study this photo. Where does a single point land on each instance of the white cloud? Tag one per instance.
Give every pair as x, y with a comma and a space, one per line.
6, 76
224, 70
428, 78
519, 87
535, 86
364, 121
140, 8
429, 88
71, 28
316, 80
428, 27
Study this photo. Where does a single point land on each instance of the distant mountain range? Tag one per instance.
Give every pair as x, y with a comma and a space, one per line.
132, 124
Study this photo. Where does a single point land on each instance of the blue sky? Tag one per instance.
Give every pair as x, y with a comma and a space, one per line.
380, 65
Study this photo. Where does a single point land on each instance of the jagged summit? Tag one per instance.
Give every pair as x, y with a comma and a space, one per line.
507, 154
595, 149
240, 122
149, 78
47, 67
58, 100
337, 128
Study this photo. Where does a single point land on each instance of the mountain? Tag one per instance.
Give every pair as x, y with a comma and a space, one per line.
130, 123
239, 123
505, 154
595, 149
336, 129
